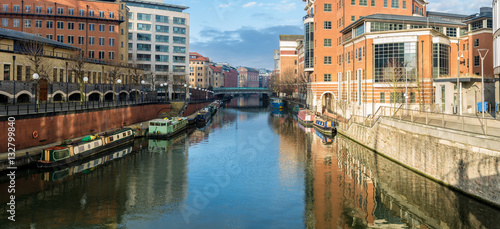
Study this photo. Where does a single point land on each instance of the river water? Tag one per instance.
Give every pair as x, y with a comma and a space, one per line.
249, 168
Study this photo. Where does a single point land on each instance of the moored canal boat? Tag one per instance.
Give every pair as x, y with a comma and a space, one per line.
203, 116
305, 117
277, 103
165, 128
324, 126
66, 153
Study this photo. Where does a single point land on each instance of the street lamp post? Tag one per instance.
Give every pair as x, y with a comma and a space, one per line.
35, 77
85, 79
195, 93
166, 87
161, 86
185, 92
190, 92
482, 76
119, 81
142, 94
459, 93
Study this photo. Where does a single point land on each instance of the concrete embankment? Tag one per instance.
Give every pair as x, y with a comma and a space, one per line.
463, 161
52, 128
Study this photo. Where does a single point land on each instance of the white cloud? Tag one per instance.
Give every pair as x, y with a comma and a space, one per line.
250, 4
457, 6
225, 5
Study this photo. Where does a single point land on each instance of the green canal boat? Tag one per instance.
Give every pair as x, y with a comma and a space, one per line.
91, 145
165, 128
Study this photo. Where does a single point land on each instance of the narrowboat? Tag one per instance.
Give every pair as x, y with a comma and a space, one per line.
86, 166
165, 128
305, 117
296, 109
324, 139
277, 103
277, 112
324, 126
64, 154
203, 116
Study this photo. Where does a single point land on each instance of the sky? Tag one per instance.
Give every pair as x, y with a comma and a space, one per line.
245, 33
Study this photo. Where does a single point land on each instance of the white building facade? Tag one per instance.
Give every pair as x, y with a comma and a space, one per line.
159, 44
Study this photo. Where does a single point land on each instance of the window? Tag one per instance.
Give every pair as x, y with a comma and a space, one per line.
489, 23
101, 13
81, 26
71, 25
179, 49
144, 27
81, 40
363, 2
111, 28
143, 47
161, 38
130, 15
101, 55
391, 58
101, 41
161, 58
161, 28
130, 26
101, 28
38, 9
91, 40
382, 97
451, 32
49, 36
353, 2
395, 4
373, 2
161, 68
327, 60
71, 11
60, 10
111, 15
5, 8
159, 18
328, 25
180, 40
27, 9
404, 4
60, 25
179, 21
111, 55
378, 26
385, 3
161, 48
16, 23
143, 17
476, 43
143, 37
179, 30
49, 10
60, 38
130, 36
6, 72
16, 8
328, 42
81, 12
112, 42
50, 24
71, 39
179, 59
91, 27
440, 60
143, 57
27, 23
476, 61
353, 18
328, 7
5, 22
477, 25
328, 77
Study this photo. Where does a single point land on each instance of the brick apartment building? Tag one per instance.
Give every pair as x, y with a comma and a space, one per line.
198, 70
248, 77
361, 54
215, 76
230, 75
98, 28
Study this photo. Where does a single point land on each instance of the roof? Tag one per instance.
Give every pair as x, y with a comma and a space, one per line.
393, 17
158, 4
291, 37
444, 14
215, 68
198, 57
250, 69
22, 36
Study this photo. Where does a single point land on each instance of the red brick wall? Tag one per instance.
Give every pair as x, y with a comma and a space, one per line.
65, 126
191, 108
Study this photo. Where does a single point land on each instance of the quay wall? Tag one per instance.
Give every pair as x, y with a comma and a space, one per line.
463, 161
194, 107
58, 126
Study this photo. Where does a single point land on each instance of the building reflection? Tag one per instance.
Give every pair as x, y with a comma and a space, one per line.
101, 191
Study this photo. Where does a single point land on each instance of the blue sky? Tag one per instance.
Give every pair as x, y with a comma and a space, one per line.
243, 32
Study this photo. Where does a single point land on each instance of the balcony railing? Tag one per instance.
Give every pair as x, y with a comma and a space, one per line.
308, 16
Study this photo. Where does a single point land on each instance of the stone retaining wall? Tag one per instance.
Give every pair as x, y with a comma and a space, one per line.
467, 162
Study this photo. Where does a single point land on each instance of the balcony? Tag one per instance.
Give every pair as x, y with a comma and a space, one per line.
308, 18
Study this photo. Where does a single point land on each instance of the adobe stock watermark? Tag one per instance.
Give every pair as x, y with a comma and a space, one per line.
11, 156
220, 179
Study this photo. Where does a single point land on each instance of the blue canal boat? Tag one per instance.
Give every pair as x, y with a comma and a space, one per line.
277, 103
324, 126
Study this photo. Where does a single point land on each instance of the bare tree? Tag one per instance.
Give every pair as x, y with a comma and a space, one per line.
288, 81
394, 75
78, 65
115, 71
136, 75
